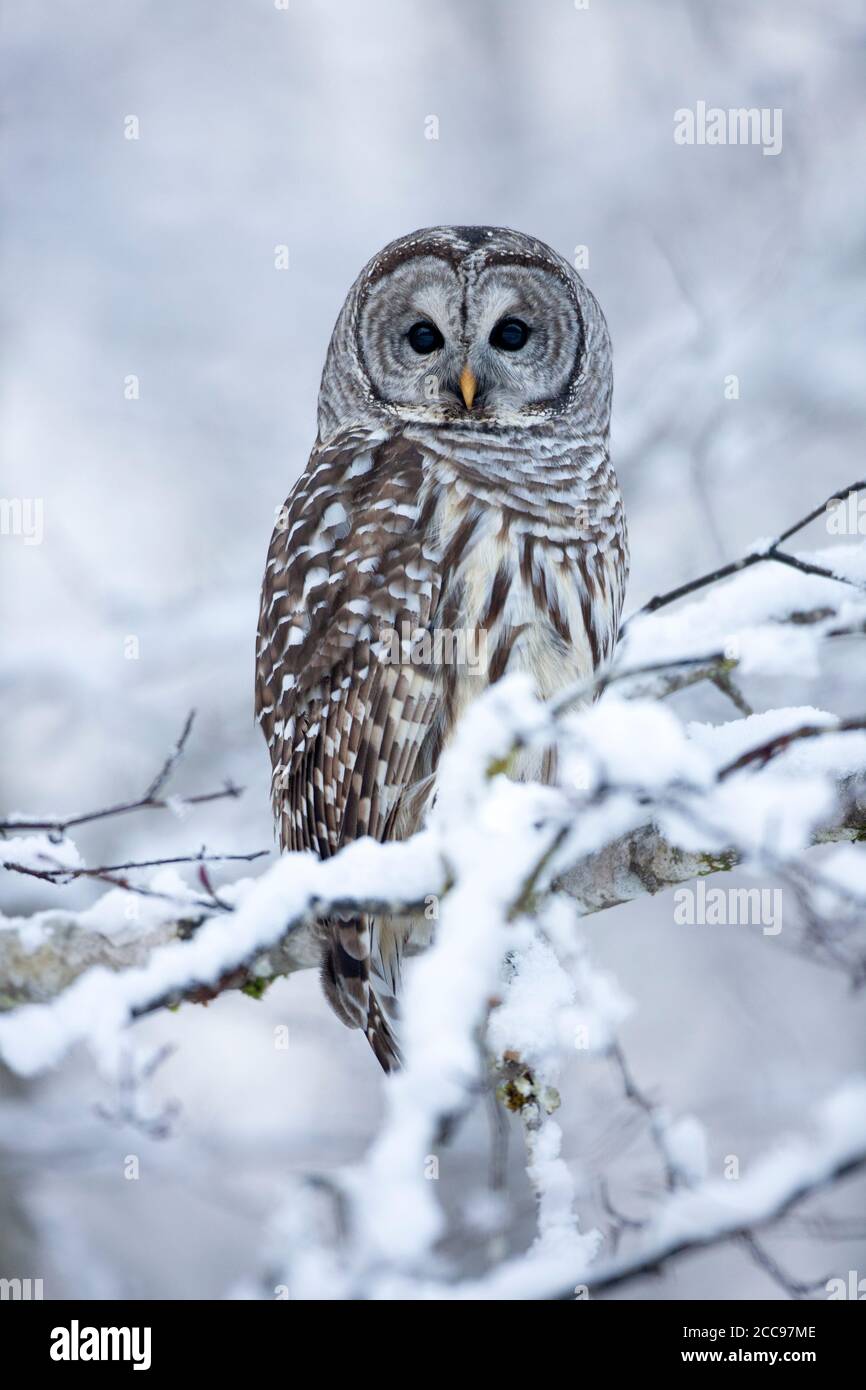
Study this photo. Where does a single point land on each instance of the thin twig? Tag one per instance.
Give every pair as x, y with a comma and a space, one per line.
65, 875
765, 1261
171, 761
762, 753
101, 876
756, 557
150, 801
60, 826
637, 1097
722, 681
618, 1271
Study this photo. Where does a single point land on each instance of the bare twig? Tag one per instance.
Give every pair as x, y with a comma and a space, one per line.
22, 826
761, 1256
721, 679
152, 800
171, 761
121, 809
62, 875
633, 1093
130, 1108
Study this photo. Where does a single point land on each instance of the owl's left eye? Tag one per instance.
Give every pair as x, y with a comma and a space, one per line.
510, 335
425, 337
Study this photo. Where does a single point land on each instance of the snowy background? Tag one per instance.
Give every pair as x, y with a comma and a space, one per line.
155, 258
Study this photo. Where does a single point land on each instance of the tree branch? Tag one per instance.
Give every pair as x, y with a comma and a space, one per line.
757, 557
151, 800
638, 863
736, 1223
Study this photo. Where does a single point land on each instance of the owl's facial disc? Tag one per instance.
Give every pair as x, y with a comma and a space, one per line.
472, 342
409, 335
525, 338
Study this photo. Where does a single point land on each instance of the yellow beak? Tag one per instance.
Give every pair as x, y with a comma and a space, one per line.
468, 385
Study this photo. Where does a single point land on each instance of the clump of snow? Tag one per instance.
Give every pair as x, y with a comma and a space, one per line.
529, 1019
637, 743
761, 545
40, 852
775, 650
685, 1144
558, 1233
725, 742
120, 911
841, 882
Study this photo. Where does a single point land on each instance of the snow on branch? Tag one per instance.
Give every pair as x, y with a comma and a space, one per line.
688, 1220
152, 799
767, 551
495, 885
645, 803
261, 936
44, 954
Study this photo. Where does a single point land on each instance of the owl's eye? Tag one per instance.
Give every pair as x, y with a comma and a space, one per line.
510, 335
425, 337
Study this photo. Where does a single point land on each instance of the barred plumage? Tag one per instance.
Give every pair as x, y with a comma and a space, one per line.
432, 511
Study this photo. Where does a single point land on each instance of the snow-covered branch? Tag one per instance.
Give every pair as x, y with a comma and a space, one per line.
645, 803
43, 954
495, 886
692, 1218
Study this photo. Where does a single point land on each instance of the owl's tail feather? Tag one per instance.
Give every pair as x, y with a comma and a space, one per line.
380, 1036
346, 969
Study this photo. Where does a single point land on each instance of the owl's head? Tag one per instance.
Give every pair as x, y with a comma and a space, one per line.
468, 326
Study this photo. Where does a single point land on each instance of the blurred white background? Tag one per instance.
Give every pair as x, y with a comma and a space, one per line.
154, 257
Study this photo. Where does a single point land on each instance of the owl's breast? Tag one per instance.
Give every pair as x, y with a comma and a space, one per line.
520, 594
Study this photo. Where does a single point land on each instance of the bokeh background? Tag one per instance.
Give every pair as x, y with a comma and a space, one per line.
154, 257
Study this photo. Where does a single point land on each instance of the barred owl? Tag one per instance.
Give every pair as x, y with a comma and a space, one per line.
460, 484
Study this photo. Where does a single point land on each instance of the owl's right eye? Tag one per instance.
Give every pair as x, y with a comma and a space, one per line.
425, 337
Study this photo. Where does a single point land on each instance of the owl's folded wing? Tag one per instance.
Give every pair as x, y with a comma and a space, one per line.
348, 577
